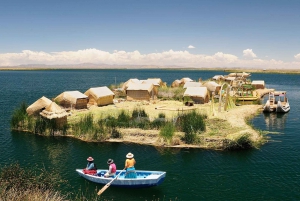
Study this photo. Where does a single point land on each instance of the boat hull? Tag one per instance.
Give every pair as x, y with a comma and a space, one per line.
144, 178
268, 108
283, 108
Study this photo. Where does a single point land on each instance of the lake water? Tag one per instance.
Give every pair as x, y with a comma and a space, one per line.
269, 173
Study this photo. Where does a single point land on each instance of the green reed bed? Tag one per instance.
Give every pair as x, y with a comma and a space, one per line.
35, 124
36, 184
20, 118
192, 124
17, 183
241, 142
167, 132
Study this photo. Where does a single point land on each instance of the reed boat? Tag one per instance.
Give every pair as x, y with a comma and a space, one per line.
277, 102
144, 178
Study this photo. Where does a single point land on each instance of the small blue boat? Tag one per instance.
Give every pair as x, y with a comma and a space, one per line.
144, 178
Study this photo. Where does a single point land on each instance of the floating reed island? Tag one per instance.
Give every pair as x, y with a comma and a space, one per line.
210, 114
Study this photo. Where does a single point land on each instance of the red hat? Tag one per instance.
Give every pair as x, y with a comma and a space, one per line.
90, 159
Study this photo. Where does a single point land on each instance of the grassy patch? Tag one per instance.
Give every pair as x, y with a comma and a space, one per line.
191, 123
167, 132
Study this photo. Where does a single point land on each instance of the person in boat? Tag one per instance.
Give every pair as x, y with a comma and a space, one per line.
90, 167
111, 169
129, 166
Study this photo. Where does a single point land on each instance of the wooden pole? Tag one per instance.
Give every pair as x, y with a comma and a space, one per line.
108, 184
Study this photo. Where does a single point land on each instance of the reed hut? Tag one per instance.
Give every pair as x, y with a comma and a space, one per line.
53, 111
199, 95
139, 91
192, 84
72, 99
100, 96
176, 83
258, 84
130, 81
212, 87
38, 106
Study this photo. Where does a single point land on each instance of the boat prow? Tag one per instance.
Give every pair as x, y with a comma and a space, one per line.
144, 178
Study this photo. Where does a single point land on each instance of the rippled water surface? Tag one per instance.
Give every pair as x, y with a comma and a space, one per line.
269, 173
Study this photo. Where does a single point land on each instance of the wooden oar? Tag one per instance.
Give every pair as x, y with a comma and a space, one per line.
108, 184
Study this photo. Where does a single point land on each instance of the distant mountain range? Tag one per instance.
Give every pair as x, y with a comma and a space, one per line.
89, 66
108, 66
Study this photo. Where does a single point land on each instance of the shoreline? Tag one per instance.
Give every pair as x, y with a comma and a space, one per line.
227, 70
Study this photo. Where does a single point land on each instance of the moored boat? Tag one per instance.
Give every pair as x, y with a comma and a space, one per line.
277, 102
144, 178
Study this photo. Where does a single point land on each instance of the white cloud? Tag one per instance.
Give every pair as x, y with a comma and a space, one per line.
120, 57
191, 47
248, 53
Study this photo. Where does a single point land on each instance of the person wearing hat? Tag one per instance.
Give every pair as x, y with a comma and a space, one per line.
111, 169
129, 166
90, 167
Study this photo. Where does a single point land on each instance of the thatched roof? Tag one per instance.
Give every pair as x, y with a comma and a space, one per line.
53, 111
98, 92
243, 74
140, 87
258, 82
70, 96
192, 84
38, 105
212, 86
132, 80
157, 80
196, 92
154, 82
186, 79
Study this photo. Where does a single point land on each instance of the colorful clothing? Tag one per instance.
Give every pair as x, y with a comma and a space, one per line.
130, 162
90, 168
130, 173
111, 171
130, 170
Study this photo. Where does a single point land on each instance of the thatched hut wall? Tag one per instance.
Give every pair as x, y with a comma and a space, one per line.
81, 103
138, 95
258, 84
72, 99
199, 95
100, 96
141, 92
105, 100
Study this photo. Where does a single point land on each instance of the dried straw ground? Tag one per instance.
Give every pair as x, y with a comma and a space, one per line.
220, 125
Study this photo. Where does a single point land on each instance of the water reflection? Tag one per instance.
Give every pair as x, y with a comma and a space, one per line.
275, 120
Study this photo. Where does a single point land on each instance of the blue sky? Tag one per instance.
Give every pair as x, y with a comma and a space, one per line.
258, 33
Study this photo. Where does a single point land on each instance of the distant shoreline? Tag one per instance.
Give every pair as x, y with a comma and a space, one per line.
229, 70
